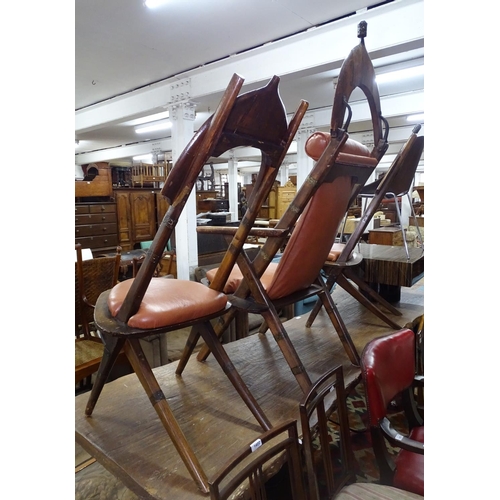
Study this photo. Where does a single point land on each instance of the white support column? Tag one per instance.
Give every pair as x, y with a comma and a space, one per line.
186, 241
232, 179
283, 174
304, 162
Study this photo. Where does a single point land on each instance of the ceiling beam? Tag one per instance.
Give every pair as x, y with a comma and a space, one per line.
392, 28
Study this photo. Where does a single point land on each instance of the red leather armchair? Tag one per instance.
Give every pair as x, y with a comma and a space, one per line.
389, 373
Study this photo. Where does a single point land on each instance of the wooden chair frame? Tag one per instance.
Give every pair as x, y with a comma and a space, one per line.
250, 467
257, 119
314, 420
342, 271
250, 296
91, 278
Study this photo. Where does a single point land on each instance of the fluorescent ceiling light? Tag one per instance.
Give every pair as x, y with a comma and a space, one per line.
153, 128
419, 117
146, 119
148, 156
151, 4
400, 74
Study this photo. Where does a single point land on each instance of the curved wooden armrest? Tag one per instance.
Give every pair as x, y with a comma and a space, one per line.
262, 232
399, 440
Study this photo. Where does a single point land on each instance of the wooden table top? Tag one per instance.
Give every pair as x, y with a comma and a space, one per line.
389, 265
125, 435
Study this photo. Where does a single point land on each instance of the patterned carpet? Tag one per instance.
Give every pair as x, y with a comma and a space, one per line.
367, 470
366, 466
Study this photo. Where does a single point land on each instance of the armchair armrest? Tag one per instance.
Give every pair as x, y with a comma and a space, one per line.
400, 440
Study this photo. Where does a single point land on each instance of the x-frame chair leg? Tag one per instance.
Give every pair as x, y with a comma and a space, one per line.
348, 287
337, 321
284, 343
139, 363
112, 348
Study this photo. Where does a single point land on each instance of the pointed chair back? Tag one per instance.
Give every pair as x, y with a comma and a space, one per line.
176, 190
342, 168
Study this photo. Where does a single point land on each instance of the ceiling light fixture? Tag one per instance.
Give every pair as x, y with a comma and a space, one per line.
153, 128
151, 4
148, 156
400, 74
146, 119
419, 117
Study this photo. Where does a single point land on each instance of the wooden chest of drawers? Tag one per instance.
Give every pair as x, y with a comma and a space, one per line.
96, 226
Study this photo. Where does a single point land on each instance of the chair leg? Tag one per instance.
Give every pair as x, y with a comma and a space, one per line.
415, 219
351, 275
112, 348
194, 336
287, 349
330, 281
340, 327
221, 326
348, 287
139, 363
314, 312
215, 346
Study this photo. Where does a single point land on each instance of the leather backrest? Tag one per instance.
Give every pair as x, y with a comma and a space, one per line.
388, 367
316, 230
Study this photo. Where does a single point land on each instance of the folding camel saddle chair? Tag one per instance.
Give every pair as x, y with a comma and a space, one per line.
263, 287
342, 261
147, 305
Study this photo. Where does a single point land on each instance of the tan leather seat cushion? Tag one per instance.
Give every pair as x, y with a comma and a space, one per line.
236, 276
168, 302
337, 249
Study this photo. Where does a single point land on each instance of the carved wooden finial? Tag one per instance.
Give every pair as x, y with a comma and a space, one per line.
362, 30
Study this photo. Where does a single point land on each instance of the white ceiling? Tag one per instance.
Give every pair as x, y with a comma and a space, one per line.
127, 55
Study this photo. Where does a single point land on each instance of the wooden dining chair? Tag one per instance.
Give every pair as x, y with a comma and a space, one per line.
147, 305
311, 222
389, 373
342, 264
326, 480
92, 277
249, 469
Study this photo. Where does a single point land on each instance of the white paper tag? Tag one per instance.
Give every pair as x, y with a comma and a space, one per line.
256, 445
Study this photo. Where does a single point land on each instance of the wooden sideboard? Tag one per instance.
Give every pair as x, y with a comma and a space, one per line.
96, 226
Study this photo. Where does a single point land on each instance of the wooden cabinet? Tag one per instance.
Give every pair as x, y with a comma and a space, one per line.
284, 196
96, 226
139, 213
